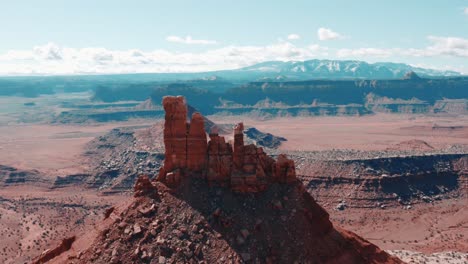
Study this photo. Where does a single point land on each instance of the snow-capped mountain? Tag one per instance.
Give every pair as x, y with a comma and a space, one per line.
337, 69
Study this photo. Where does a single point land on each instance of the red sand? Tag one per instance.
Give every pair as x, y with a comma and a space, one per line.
51, 149
56, 150
428, 228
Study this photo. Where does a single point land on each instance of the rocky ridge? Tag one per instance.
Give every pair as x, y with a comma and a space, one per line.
385, 181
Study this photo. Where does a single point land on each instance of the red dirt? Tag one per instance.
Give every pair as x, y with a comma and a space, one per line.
428, 228
57, 149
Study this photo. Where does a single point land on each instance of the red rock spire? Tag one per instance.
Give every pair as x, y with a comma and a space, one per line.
175, 132
245, 168
239, 146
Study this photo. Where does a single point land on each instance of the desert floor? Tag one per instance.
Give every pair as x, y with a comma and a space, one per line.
33, 218
54, 150
374, 132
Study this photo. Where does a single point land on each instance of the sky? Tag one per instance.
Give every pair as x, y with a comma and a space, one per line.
102, 36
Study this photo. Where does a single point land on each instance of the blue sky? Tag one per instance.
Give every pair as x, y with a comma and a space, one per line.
62, 37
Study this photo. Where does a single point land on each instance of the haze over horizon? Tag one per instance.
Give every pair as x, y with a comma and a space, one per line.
61, 37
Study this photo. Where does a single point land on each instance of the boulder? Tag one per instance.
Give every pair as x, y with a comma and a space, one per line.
144, 187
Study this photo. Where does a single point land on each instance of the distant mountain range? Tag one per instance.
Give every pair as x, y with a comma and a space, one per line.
264, 71
337, 69
139, 86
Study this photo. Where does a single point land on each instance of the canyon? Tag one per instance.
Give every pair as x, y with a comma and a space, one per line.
373, 157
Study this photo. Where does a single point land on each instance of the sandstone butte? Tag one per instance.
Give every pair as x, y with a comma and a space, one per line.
188, 152
179, 218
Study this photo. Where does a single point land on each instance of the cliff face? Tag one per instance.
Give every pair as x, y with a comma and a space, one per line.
343, 92
387, 181
245, 168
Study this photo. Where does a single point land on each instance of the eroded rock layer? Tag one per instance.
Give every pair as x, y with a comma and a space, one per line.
246, 168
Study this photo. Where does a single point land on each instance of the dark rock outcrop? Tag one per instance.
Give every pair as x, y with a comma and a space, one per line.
14, 176
52, 253
264, 139
144, 187
411, 75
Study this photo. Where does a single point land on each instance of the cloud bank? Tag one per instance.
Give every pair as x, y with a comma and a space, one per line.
55, 59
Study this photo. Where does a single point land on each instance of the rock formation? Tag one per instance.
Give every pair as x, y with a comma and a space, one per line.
209, 223
239, 146
246, 168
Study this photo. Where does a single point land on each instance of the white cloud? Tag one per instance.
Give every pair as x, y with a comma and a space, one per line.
465, 11
50, 51
189, 40
293, 36
450, 46
328, 34
439, 46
